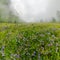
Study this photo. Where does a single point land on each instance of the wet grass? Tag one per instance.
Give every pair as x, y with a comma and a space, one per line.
35, 41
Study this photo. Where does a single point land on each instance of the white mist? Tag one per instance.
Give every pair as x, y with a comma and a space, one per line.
34, 10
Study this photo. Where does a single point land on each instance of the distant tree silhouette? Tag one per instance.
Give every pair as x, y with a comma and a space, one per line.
58, 15
53, 19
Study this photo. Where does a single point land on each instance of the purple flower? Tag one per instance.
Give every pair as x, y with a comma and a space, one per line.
50, 44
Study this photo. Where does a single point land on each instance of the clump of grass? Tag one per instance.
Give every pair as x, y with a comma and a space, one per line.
38, 41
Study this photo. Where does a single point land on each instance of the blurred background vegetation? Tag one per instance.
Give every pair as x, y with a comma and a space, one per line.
7, 15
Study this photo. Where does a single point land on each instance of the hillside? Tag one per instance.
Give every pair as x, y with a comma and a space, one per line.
37, 41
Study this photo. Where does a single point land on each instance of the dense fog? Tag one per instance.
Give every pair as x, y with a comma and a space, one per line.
36, 10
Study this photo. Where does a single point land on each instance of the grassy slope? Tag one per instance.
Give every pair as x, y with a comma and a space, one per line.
39, 41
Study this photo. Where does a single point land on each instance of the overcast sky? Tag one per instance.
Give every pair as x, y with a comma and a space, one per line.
34, 10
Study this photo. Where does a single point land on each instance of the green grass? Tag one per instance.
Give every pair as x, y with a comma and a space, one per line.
37, 41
